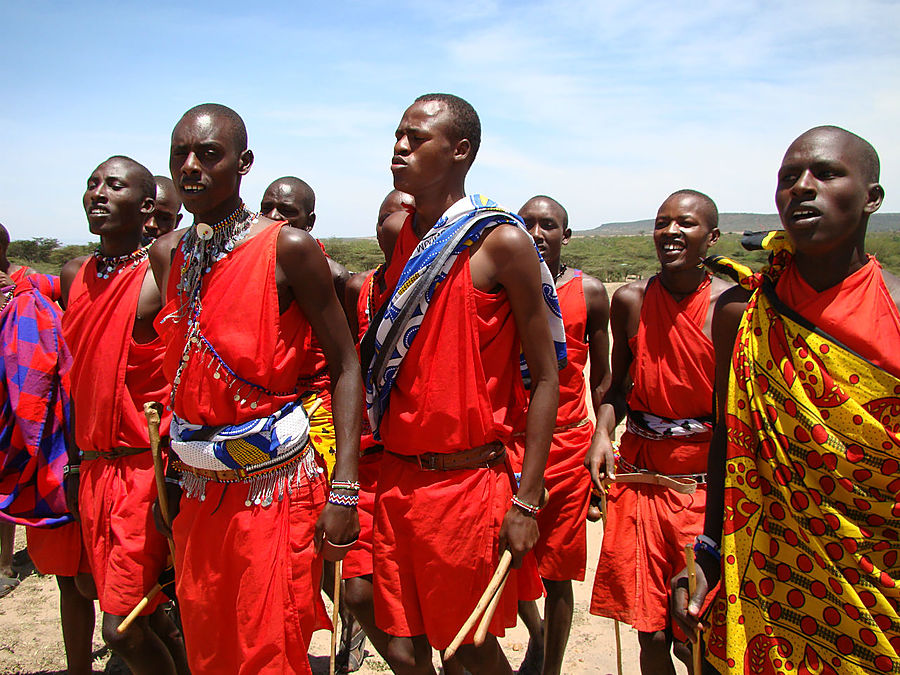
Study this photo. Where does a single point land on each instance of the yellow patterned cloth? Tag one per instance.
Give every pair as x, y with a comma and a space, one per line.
811, 572
321, 428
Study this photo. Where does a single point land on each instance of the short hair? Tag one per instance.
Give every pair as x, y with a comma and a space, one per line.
870, 163
145, 179
705, 199
464, 119
565, 222
4, 236
239, 129
308, 198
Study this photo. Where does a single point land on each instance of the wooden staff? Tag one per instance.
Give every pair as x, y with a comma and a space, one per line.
692, 587
335, 613
153, 413
482, 630
497, 580
615, 621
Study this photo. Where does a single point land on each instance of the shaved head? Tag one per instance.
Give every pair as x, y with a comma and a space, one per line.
142, 175
222, 116
394, 202
290, 199
555, 205
862, 150
4, 237
292, 184
707, 205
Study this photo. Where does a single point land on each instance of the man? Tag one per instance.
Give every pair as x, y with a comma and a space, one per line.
561, 550
166, 212
291, 199
804, 460
245, 295
111, 302
662, 379
16, 272
450, 394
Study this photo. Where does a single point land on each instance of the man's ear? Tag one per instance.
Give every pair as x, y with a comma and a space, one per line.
874, 198
148, 205
462, 150
245, 162
714, 236
311, 221
567, 234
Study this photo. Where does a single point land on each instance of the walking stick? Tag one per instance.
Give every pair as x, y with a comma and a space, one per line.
153, 412
497, 580
335, 613
692, 587
615, 621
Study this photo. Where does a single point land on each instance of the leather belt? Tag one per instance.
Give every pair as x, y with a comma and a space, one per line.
483, 456
373, 450
684, 483
115, 453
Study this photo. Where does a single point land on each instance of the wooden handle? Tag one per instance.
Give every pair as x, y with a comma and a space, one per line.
692, 587
140, 607
489, 592
482, 630
153, 413
335, 613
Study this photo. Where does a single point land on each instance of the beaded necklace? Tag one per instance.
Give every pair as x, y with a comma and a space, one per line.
107, 264
7, 297
202, 247
562, 270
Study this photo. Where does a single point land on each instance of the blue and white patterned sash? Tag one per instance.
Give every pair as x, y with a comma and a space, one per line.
460, 227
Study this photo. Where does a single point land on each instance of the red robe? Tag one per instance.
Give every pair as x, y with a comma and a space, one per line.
247, 577
458, 387
561, 550
648, 526
112, 377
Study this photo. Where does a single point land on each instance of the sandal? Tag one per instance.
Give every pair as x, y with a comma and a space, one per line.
353, 653
7, 585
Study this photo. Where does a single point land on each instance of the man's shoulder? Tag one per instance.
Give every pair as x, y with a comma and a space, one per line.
630, 295
892, 283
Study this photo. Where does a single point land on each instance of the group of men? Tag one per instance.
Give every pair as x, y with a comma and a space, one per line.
408, 419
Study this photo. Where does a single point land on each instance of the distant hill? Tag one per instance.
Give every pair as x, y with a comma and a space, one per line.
735, 222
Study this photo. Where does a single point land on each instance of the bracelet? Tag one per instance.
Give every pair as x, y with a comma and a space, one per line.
71, 468
351, 485
343, 500
707, 545
529, 509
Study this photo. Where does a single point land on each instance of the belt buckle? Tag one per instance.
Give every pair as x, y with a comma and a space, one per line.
428, 464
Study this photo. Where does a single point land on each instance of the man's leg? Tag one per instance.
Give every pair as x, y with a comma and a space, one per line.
171, 637
76, 613
488, 659
655, 658
359, 597
558, 610
7, 544
409, 655
533, 662
139, 646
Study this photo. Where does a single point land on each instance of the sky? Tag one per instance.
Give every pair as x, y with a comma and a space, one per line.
606, 105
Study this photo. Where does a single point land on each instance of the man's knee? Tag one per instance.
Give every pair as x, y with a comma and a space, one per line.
558, 590
656, 642
86, 586
128, 640
358, 593
409, 656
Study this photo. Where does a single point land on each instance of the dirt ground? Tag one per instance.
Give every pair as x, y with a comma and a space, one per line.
31, 641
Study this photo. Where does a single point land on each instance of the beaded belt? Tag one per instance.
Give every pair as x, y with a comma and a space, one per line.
115, 453
242, 474
483, 456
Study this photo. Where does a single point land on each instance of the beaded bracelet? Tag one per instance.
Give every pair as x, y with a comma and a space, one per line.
343, 500
351, 485
708, 545
529, 509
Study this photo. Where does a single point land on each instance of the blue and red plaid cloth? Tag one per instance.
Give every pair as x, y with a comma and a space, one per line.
36, 410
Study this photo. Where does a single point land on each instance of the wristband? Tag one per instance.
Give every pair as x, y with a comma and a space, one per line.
529, 509
343, 500
708, 545
350, 485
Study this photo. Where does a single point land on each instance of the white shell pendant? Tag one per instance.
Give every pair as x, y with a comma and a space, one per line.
204, 231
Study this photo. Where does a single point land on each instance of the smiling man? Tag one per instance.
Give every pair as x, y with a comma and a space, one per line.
805, 463
111, 303
445, 393
245, 295
662, 380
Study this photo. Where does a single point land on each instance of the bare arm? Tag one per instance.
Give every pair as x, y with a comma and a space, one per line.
351, 301
67, 276
624, 315
303, 265
726, 319
508, 257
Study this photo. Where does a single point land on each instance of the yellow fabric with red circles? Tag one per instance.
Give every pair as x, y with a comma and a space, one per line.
811, 576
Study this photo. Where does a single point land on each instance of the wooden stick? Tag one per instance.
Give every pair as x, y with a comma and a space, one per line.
153, 413
615, 621
140, 607
489, 592
335, 613
692, 587
482, 630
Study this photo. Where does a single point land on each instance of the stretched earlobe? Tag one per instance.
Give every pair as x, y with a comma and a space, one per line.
246, 162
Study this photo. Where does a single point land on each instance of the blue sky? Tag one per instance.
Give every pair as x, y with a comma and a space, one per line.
606, 105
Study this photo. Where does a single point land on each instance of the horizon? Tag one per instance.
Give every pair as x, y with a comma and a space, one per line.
606, 107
